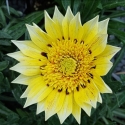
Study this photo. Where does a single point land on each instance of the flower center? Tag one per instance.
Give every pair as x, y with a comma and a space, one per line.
68, 66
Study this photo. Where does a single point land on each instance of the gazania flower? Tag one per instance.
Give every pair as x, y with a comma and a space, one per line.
62, 67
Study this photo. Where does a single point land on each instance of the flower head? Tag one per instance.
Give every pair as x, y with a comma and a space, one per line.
62, 67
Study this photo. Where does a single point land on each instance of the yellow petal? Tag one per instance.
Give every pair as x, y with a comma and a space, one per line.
102, 87
28, 48
109, 51
98, 44
103, 65
81, 99
28, 60
57, 17
103, 26
22, 79
54, 103
66, 21
99, 99
40, 93
92, 93
39, 37
32, 81
40, 106
26, 70
66, 109
90, 29
52, 28
75, 27
76, 111
87, 108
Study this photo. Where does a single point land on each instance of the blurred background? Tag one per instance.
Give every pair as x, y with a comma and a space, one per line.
14, 14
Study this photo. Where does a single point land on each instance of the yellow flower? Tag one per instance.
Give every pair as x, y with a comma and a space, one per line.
62, 67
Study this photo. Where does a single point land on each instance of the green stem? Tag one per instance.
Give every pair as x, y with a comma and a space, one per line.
119, 121
119, 114
105, 120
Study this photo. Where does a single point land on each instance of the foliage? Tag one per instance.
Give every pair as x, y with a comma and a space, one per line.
12, 26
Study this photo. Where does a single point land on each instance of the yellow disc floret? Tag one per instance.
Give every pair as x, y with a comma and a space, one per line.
68, 66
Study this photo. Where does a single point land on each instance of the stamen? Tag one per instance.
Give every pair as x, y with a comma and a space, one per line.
88, 81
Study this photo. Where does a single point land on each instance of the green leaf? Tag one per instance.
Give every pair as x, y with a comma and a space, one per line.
113, 4
3, 65
115, 85
116, 14
66, 3
1, 77
17, 92
117, 33
89, 9
2, 18
12, 11
17, 30
5, 42
4, 35
76, 6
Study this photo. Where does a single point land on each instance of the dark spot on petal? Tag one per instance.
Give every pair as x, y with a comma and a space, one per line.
91, 75
69, 38
88, 81
53, 88
75, 40
47, 85
83, 86
63, 38
39, 59
82, 42
49, 45
94, 67
59, 90
77, 88
90, 51
41, 74
67, 93
44, 54
58, 39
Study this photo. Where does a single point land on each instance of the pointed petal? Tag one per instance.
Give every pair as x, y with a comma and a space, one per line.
21, 79
99, 99
28, 49
75, 27
66, 21
102, 29
102, 66
39, 37
54, 103
32, 82
26, 70
102, 87
40, 106
98, 44
40, 93
76, 111
90, 30
81, 96
66, 109
28, 60
92, 93
52, 28
58, 17
109, 51
87, 108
